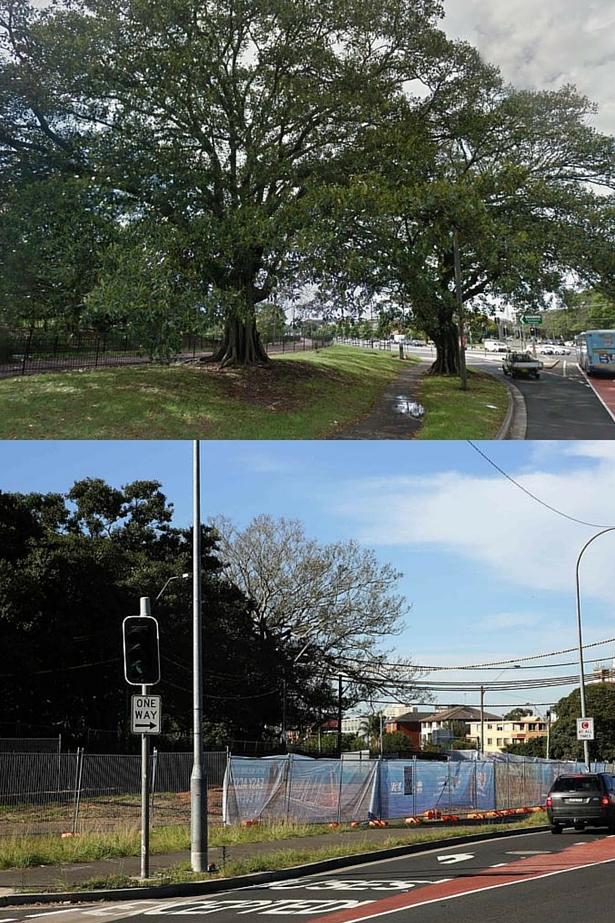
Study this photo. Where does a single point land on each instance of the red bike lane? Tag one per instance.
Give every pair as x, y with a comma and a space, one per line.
577, 856
604, 388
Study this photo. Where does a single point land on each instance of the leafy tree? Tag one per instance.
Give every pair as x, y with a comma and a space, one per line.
600, 702
535, 746
271, 321
52, 235
506, 173
72, 567
517, 713
214, 118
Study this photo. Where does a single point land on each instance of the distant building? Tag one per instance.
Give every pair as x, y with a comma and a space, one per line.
603, 674
434, 724
408, 723
501, 733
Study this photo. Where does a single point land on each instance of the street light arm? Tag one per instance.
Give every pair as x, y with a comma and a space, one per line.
580, 634
176, 577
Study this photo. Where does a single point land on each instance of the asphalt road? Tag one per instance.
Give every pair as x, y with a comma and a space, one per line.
560, 404
534, 878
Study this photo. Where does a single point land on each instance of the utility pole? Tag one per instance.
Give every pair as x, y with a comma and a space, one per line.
482, 722
548, 716
463, 373
198, 777
339, 716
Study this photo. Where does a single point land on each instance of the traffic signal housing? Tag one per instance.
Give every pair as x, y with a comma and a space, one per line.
141, 650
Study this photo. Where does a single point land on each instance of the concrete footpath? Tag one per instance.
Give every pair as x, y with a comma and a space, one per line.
51, 883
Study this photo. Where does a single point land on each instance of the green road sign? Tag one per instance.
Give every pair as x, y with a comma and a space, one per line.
535, 320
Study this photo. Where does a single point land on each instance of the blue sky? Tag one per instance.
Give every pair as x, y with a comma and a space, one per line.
488, 571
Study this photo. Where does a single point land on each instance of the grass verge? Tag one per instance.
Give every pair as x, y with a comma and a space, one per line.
289, 858
452, 413
28, 851
298, 396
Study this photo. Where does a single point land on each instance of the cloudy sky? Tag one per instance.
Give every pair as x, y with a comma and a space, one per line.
489, 571
544, 44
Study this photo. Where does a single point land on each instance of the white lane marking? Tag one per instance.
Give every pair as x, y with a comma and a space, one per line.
346, 884
456, 857
498, 865
286, 907
481, 890
49, 913
529, 852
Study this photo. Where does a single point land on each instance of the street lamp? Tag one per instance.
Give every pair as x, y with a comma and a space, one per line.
176, 577
581, 667
482, 709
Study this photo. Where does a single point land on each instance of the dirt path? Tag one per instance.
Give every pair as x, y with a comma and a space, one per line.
397, 414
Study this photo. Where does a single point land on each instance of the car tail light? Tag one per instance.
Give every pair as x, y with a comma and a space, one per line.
549, 802
605, 800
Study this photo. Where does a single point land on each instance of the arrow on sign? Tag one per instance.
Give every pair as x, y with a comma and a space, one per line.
150, 725
457, 857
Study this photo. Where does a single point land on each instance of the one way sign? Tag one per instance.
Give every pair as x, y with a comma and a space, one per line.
145, 714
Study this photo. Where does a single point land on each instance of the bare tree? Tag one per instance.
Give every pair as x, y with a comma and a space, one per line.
333, 604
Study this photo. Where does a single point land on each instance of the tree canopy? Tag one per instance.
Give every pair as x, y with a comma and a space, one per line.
206, 120
72, 567
334, 604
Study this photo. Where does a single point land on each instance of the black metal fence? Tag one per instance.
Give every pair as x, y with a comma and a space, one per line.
26, 352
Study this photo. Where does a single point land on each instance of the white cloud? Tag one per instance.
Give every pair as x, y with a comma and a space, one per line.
499, 620
545, 45
490, 522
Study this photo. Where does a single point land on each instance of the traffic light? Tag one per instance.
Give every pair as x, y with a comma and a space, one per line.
141, 652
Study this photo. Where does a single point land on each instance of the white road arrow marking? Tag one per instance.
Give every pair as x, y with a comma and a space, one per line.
456, 857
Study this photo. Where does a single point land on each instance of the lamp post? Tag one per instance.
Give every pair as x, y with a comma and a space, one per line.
580, 634
198, 780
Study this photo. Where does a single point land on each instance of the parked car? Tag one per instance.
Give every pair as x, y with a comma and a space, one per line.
495, 346
582, 799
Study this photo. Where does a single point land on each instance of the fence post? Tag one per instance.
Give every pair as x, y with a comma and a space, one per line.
495, 790
339, 791
414, 787
448, 782
78, 779
97, 351
475, 795
289, 777
153, 784
26, 352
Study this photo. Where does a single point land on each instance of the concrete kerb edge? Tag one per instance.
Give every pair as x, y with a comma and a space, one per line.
186, 889
514, 424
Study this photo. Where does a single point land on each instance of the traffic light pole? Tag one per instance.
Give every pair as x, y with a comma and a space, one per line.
144, 610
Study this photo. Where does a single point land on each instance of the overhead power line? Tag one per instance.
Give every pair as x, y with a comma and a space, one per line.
480, 666
529, 493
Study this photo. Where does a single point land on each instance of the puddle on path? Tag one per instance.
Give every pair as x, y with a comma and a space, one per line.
403, 405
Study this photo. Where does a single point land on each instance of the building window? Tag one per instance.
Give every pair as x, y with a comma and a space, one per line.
489, 741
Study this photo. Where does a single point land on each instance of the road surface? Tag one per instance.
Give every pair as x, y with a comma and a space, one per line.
535, 878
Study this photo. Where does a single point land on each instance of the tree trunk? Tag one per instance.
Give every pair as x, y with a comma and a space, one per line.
242, 343
446, 339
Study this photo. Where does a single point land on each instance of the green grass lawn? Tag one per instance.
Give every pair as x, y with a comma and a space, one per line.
298, 396
309, 395
452, 413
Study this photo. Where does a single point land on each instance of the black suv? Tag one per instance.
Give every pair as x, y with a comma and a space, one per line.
576, 800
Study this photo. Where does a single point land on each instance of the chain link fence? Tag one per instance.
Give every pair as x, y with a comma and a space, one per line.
54, 793
325, 791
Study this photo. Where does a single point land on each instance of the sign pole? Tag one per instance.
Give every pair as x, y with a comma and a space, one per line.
144, 610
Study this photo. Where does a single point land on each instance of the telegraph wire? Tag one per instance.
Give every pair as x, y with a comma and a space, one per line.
529, 493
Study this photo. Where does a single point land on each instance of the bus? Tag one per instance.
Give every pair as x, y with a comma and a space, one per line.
596, 352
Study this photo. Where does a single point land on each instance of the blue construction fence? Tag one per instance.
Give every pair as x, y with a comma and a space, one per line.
292, 788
